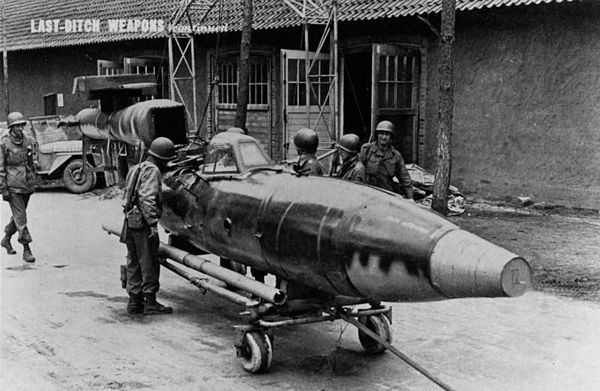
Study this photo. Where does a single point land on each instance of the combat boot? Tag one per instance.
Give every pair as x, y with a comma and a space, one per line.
27, 255
153, 307
6, 244
135, 304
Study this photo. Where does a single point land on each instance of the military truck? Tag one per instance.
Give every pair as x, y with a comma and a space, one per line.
59, 155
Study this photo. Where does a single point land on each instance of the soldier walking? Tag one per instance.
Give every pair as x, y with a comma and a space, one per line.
17, 181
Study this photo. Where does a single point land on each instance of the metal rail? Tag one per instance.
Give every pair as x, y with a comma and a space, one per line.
203, 265
205, 285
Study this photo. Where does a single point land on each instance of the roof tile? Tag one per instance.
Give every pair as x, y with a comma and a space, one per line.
267, 14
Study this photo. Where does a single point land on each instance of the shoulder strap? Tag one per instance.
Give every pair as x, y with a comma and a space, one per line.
131, 195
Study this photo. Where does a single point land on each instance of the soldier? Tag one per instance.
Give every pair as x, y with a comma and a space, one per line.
306, 142
348, 148
144, 189
17, 181
384, 166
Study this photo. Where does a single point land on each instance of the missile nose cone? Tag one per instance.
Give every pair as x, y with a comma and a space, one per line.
465, 265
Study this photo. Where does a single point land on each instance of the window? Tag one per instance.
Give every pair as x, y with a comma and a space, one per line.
397, 81
320, 81
220, 159
109, 68
252, 155
258, 83
228, 82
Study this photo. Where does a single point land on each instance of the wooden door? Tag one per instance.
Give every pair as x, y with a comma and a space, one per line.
395, 84
306, 104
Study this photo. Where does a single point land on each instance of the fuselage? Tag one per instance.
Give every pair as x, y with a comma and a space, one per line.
336, 236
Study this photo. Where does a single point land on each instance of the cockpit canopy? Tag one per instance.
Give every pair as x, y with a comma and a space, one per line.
233, 152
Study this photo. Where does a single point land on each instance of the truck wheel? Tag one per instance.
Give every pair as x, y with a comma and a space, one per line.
76, 180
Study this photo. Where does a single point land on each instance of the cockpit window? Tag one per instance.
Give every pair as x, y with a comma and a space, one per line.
252, 155
220, 159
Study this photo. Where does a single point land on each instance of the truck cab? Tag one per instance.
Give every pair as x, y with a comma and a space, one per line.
59, 154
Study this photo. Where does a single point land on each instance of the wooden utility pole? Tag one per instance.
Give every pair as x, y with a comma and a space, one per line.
446, 107
243, 67
4, 60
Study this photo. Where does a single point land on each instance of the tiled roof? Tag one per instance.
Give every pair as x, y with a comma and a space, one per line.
269, 14
227, 14
20, 14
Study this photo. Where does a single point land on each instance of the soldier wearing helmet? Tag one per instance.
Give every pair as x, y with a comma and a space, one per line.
384, 166
143, 188
17, 181
348, 148
306, 142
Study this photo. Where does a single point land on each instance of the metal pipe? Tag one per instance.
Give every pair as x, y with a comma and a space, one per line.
205, 266
297, 321
391, 348
205, 285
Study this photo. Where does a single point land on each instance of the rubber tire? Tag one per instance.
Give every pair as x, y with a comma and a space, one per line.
380, 325
257, 352
76, 183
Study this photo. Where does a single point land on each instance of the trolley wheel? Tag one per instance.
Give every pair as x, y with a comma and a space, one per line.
256, 352
380, 325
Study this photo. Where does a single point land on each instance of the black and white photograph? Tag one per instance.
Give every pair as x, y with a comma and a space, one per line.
311, 195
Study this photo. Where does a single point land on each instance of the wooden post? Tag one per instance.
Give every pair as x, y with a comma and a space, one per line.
243, 67
5, 60
446, 107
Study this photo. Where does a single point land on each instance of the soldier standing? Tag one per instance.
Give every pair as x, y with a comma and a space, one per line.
384, 166
348, 148
306, 142
143, 187
17, 181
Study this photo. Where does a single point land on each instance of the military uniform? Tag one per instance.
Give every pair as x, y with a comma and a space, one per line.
17, 181
143, 266
382, 166
309, 165
352, 171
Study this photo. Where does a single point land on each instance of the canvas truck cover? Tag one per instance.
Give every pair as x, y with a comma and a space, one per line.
140, 122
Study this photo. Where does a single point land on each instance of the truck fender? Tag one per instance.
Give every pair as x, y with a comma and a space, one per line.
60, 161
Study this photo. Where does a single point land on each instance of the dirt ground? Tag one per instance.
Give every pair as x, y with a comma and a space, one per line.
64, 327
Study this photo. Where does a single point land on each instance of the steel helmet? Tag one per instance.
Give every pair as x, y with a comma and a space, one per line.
349, 143
15, 118
162, 148
385, 126
306, 140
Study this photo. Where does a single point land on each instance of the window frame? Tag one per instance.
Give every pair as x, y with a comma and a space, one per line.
257, 64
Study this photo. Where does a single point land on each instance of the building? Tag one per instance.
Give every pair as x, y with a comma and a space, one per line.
527, 80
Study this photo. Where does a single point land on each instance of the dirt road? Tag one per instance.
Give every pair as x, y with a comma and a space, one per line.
64, 325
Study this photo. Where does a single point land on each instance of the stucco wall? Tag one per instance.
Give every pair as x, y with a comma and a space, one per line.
527, 104
35, 73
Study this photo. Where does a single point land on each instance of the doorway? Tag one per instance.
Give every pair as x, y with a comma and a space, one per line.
357, 94
381, 82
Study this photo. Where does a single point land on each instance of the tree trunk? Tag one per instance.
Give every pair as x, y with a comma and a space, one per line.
446, 107
243, 67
